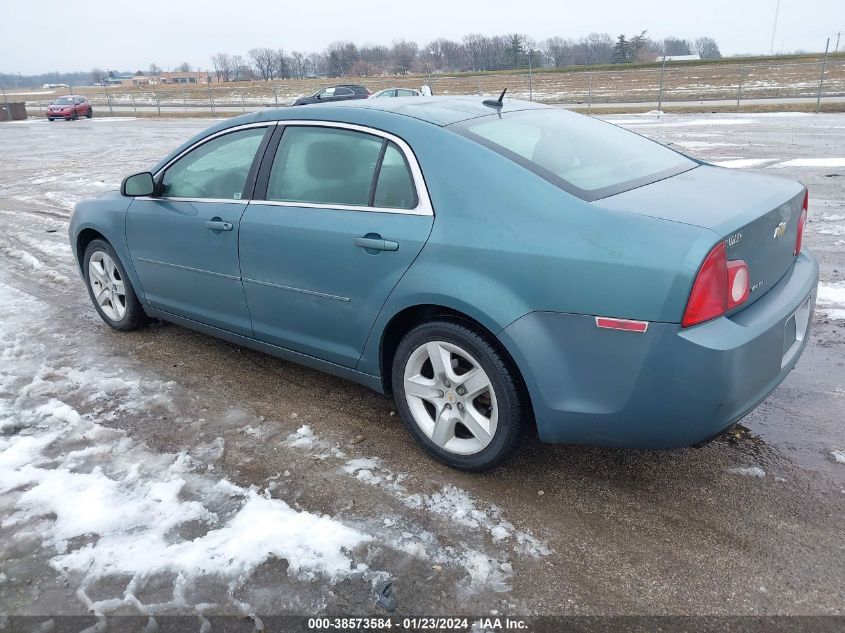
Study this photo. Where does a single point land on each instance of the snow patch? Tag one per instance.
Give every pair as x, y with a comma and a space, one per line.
813, 162
830, 300
749, 471
838, 456
744, 163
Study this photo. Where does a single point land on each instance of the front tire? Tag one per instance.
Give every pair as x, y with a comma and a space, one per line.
109, 288
75, 116
458, 395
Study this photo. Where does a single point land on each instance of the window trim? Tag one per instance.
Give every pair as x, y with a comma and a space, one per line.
250, 174
423, 207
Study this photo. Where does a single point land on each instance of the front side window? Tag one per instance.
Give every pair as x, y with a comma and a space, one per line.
584, 156
217, 169
332, 166
326, 92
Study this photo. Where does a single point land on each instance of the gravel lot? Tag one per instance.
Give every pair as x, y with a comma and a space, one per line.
163, 471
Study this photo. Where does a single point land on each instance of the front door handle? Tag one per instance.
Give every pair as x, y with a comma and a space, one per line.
376, 243
216, 224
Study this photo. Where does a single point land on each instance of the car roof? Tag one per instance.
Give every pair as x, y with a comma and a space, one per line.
440, 111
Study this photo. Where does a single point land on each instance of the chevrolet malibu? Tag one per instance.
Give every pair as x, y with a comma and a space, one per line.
492, 265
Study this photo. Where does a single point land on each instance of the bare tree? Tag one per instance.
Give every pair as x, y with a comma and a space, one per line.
560, 51
706, 48
404, 54
477, 46
316, 64
240, 69
98, 76
676, 46
264, 61
154, 69
223, 66
184, 67
297, 64
596, 48
341, 56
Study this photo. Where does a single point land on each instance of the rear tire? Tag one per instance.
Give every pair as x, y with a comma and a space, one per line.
458, 395
90, 113
109, 288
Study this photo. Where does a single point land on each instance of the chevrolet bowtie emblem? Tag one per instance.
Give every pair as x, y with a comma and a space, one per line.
780, 230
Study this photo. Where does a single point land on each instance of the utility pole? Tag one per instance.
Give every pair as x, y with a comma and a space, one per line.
6, 103
836, 50
530, 77
774, 28
821, 78
662, 72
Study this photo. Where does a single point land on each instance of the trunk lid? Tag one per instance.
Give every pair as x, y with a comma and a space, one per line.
756, 214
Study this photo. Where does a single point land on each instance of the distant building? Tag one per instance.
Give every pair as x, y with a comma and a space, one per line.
177, 77
680, 58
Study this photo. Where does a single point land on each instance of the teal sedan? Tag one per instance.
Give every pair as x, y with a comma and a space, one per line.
492, 264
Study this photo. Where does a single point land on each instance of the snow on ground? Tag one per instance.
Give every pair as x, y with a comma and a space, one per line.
750, 471
812, 162
831, 300
744, 163
703, 144
838, 456
107, 505
449, 504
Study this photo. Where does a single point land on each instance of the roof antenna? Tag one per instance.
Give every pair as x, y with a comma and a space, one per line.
495, 103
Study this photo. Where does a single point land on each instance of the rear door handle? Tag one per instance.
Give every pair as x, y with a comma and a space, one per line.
376, 243
218, 225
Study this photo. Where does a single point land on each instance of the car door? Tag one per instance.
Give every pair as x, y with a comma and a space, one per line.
326, 94
339, 214
342, 94
184, 241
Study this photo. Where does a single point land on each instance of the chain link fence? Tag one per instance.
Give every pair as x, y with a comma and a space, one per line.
725, 85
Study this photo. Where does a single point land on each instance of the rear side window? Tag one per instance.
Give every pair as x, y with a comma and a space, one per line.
582, 155
394, 187
216, 169
323, 165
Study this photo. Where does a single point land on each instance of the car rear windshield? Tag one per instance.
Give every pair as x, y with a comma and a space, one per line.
63, 101
582, 155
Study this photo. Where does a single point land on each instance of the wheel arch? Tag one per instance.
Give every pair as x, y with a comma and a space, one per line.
408, 318
83, 239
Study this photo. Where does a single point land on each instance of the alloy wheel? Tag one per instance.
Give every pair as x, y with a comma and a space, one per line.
451, 398
107, 285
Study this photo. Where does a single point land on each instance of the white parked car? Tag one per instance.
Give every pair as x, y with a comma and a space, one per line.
397, 92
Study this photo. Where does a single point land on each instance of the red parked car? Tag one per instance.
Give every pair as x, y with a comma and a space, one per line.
70, 107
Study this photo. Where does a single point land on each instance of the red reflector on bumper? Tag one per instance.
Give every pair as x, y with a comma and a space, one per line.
621, 324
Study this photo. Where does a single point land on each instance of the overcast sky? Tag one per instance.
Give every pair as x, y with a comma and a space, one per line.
46, 35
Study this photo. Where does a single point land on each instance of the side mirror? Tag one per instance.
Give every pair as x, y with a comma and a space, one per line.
138, 185
317, 96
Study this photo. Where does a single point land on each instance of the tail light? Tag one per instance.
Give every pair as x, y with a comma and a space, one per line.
799, 236
719, 286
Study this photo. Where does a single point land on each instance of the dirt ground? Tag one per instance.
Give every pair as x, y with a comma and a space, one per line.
755, 79
163, 471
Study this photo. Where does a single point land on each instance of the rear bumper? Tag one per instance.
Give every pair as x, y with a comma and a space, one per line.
668, 387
